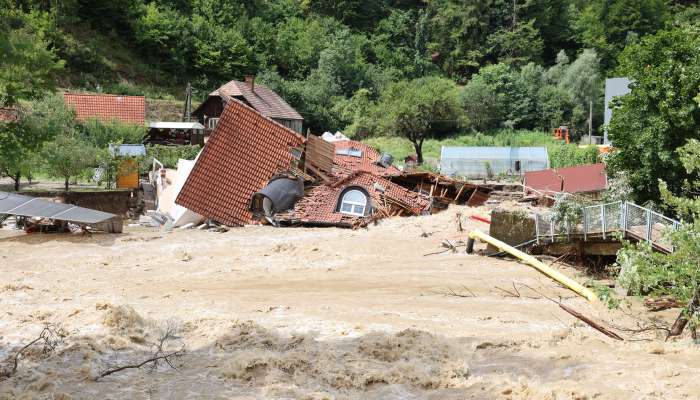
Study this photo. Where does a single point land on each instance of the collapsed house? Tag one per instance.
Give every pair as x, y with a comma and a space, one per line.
355, 191
255, 169
243, 153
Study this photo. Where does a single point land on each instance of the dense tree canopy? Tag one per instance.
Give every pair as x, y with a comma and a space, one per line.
660, 114
528, 64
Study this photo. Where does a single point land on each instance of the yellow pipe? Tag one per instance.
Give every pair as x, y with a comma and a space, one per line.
540, 266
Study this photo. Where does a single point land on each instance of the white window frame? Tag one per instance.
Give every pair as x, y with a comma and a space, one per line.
354, 205
211, 122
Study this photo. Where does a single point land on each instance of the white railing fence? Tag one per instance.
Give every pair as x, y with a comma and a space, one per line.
603, 220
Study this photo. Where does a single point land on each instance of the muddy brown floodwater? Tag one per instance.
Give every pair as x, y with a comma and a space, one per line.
266, 313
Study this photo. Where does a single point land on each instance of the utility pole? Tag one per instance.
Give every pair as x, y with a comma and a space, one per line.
188, 103
590, 121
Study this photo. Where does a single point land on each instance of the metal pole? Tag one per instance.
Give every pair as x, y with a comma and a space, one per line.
602, 218
551, 229
590, 121
585, 224
648, 225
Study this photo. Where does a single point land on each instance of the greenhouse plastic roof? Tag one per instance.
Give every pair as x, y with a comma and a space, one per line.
495, 153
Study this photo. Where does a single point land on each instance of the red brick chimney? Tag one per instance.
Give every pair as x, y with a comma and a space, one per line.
250, 81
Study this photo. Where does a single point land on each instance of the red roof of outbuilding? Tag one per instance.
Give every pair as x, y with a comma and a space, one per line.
584, 178
9, 114
546, 180
578, 179
106, 107
242, 154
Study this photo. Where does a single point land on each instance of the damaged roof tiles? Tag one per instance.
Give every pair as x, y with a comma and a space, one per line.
368, 159
320, 205
242, 154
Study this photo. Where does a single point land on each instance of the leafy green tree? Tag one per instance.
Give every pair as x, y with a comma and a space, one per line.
516, 45
101, 134
15, 155
359, 115
457, 35
411, 108
344, 61
608, 26
647, 272
298, 44
362, 14
22, 139
67, 157
483, 106
399, 44
27, 65
659, 115
581, 79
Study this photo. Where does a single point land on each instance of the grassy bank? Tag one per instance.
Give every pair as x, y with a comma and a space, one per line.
560, 155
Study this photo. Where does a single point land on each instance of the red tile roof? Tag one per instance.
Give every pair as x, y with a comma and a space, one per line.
106, 107
9, 114
261, 98
367, 162
242, 154
320, 204
578, 179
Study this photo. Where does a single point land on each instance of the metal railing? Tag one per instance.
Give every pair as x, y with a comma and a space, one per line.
604, 220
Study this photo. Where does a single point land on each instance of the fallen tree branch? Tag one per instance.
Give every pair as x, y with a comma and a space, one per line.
581, 317
50, 335
164, 357
591, 323
168, 334
451, 292
663, 303
652, 325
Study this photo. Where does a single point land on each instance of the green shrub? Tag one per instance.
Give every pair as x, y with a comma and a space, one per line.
168, 155
101, 134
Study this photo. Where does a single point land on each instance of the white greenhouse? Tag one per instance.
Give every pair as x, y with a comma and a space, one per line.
488, 162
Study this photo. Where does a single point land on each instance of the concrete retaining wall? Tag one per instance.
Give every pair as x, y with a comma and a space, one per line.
512, 227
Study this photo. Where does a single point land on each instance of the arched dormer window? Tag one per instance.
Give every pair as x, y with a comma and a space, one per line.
354, 202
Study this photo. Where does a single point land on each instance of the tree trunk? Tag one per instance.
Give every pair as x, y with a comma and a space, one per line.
418, 145
66, 183
17, 178
685, 315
